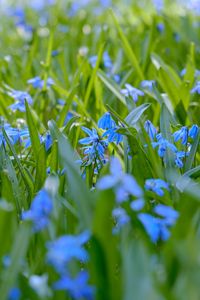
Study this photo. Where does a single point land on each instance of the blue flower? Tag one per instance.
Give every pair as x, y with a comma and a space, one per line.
47, 140
156, 185
132, 92
179, 156
92, 136
158, 228
150, 129
77, 287
196, 88
107, 60
123, 184
37, 82
163, 145
14, 294
20, 98
106, 121
181, 134
12, 133
158, 4
193, 131
148, 84
96, 146
166, 212
40, 210
113, 135
183, 72
65, 249
160, 27
137, 205
155, 227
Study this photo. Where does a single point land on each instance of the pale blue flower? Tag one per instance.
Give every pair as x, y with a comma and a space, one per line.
132, 92
40, 210
123, 184
156, 185
77, 287
66, 248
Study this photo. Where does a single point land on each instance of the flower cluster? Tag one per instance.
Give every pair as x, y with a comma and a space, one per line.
126, 187
96, 145
183, 135
40, 210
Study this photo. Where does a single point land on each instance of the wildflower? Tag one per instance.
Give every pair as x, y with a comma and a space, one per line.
12, 133
196, 88
77, 287
137, 205
181, 134
160, 27
158, 227
150, 129
155, 227
107, 60
132, 92
123, 184
158, 4
106, 121
166, 212
148, 84
156, 185
20, 98
47, 140
193, 131
113, 135
179, 156
163, 145
66, 248
96, 146
14, 294
40, 210
37, 82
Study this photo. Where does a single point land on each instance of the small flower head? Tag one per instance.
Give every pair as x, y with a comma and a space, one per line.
40, 210
196, 88
148, 84
181, 134
156, 185
193, 131
77, 287
106, 122
150, 129
132, 92
65, 249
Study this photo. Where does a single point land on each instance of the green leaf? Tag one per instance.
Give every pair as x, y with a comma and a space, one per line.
78, 190
191, 157
136, 113
35, 141
111, 85
127, 48
41, 171
137, 266
18, 252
